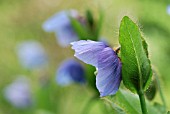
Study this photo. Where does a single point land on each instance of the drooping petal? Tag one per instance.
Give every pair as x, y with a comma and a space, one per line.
106, 62
109, 72
88, 51
70, 71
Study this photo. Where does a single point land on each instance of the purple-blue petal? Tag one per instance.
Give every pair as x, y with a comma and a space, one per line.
65, 35
60, 24
70, 71
106, 62
109, 72
88, 51
55, 22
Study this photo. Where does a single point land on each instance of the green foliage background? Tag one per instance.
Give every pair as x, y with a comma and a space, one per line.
21, 20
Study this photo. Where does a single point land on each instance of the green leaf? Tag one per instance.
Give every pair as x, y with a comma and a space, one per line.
91, 78
99, 25
136, 68
94, 26
79, 28
145, 46
150, 93
90, 19
129, 103
90, 30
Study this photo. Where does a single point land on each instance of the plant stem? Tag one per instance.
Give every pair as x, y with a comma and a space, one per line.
142, 102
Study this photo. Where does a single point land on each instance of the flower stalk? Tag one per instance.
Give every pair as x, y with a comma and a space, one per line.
142, 102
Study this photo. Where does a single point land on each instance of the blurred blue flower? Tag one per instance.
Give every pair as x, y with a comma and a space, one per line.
106, 62
18, 93
168, 9
31, 55
61, 25
70, 71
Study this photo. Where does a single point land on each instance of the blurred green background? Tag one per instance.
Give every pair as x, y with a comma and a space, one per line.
22, 20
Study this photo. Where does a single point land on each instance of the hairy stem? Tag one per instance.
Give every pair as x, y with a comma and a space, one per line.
142, 102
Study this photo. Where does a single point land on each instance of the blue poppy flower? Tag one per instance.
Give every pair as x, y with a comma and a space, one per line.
31, 55
70, 71
60, 24
106, 62
18, 93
